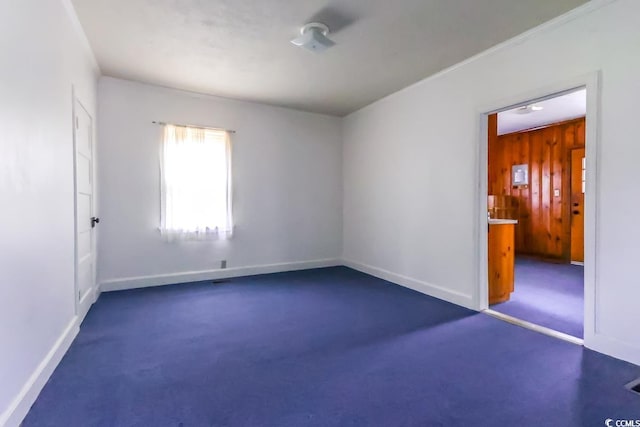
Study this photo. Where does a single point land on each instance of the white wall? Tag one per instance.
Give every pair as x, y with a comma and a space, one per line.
41, 56
410, 172
287, 182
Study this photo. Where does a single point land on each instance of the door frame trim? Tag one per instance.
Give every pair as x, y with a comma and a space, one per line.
592, 83
81, 304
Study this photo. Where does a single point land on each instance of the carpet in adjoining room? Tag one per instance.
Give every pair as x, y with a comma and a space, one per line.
547, 294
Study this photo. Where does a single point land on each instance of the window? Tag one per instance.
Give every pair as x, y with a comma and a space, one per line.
196, 183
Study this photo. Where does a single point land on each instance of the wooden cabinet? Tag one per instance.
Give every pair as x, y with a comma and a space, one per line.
501, 260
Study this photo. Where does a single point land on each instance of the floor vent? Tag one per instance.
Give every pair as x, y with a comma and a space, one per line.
634, 386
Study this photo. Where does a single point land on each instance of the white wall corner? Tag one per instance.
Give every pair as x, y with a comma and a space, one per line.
82, 36
196, 276
19, 407
426, 288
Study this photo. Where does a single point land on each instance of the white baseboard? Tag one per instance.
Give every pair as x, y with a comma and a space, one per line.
415, 284
21, 404
85, 304
195, 276
577, 263
613, 347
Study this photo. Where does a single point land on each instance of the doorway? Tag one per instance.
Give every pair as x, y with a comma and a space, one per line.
536, 169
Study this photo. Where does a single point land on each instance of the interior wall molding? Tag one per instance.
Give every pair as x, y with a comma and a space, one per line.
215, 274
613, 347
426, 288
19, 407
573, 14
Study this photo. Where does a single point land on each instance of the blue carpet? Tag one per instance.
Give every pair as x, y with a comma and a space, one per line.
329, 347
548, 294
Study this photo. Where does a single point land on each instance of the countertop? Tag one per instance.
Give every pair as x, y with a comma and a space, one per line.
496, 221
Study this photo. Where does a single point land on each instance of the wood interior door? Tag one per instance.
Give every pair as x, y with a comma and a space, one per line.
578, 167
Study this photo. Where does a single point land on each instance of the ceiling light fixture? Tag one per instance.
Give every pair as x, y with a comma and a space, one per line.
313, 37
528, 109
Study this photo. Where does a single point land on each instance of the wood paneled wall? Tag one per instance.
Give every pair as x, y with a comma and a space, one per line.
544, 220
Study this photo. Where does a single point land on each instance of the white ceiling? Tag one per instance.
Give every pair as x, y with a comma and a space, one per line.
241, 49
560, 108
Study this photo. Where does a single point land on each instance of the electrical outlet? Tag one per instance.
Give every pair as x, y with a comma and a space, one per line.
223, 264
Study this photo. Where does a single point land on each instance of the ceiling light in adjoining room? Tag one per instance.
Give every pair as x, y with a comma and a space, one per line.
313, 37
528, 109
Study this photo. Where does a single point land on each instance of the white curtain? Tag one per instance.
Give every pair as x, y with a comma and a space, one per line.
196, 184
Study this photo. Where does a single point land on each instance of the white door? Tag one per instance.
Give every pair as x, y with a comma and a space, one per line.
85, 220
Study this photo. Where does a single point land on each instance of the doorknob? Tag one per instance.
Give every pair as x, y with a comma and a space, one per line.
94, 221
